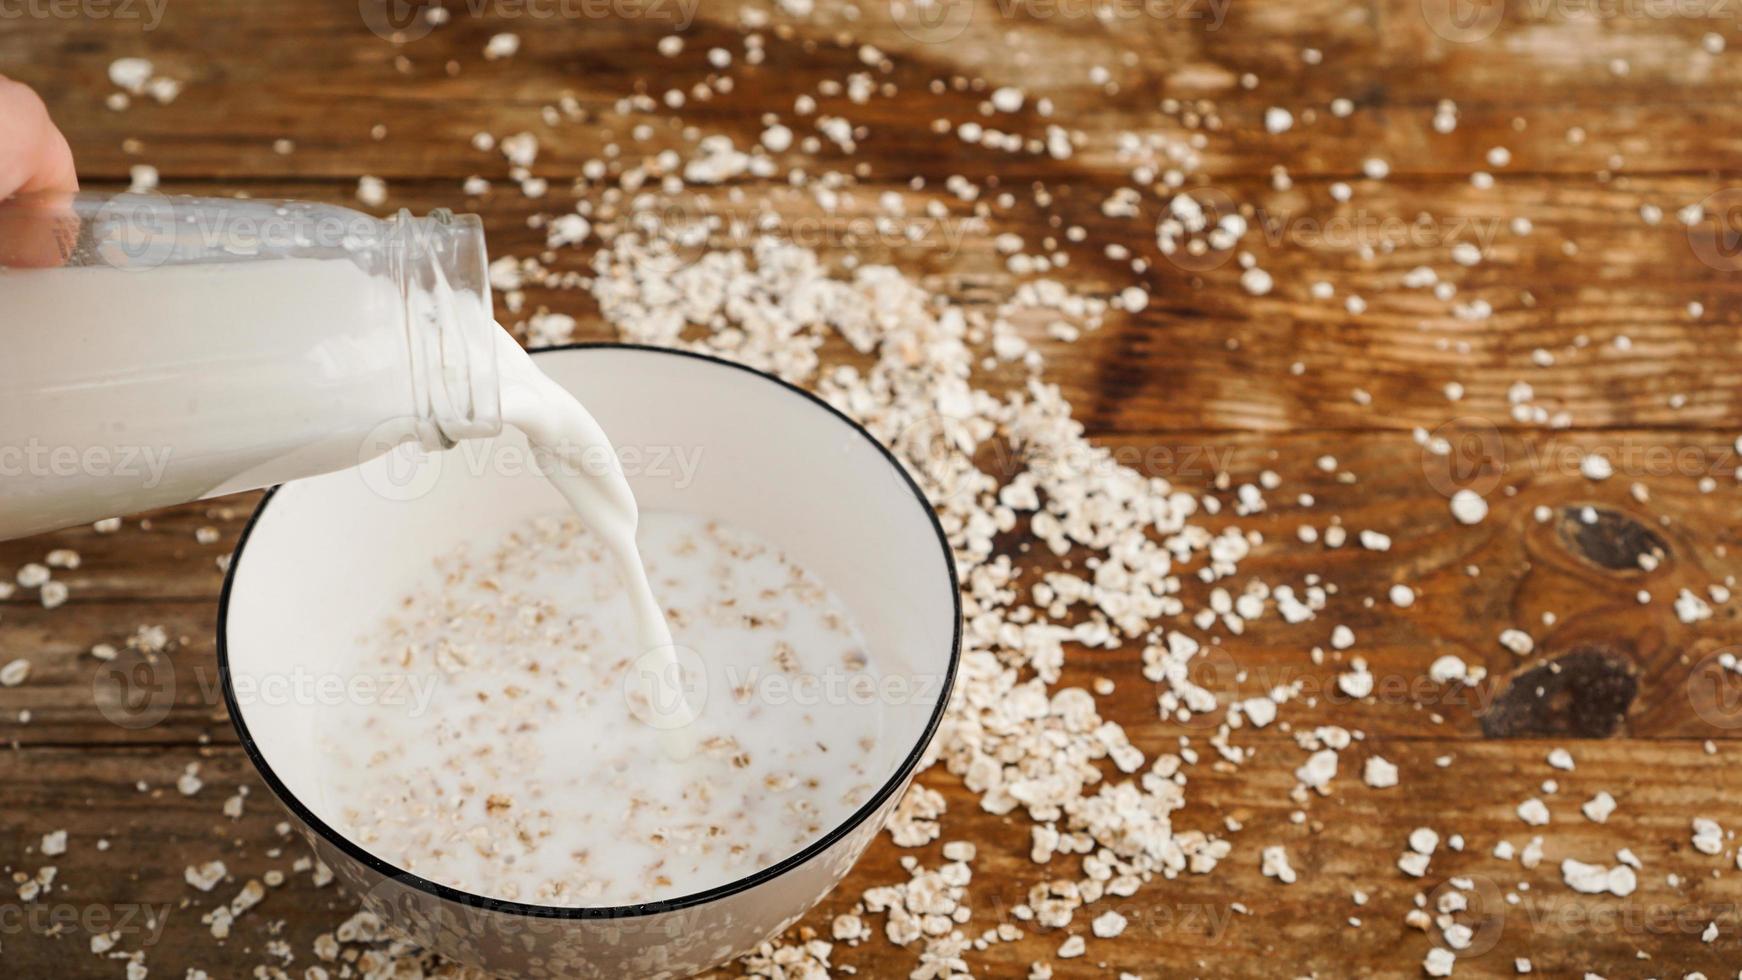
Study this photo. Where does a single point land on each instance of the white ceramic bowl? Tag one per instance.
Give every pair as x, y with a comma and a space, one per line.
323, 558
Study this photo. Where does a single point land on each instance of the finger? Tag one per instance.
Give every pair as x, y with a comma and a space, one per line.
37, 230
34, 156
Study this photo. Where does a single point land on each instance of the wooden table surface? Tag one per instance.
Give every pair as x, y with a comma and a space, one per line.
1608, 111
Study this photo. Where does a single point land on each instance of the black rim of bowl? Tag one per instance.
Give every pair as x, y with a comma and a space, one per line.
447, 893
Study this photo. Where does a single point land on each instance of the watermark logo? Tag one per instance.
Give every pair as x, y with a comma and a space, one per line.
723, 225
143, 466
1204, 226
1203, 214
832, 687
395, 467
943, 21
950, 457
1472, 21
412, 693
131, 923
1212, 680
666, 687
1587, 915
939, 449
135, 232
932, 21
1714, 689
1717, 237
269, 227
399, 21
1472, 452
403, 21
135, 690
1465, 453
149, 13
1463, 21
399, 906
1476, 909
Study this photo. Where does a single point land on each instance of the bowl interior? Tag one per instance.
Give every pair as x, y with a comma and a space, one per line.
325, 557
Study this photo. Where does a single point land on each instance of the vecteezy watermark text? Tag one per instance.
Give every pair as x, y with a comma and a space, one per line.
727, 225
1210, 234
142, 924
832, 688
137, 692
149, 13
37, 459
407, 472
942, 21
1472, 452
412, 691
1470, 21
403, 21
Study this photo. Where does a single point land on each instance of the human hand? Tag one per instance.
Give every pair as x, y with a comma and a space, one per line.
34, 156
37, 225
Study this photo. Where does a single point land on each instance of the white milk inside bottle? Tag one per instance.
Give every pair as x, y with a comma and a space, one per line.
218, 379
243, 344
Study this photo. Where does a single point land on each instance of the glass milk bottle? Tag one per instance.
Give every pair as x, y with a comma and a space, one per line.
156, 350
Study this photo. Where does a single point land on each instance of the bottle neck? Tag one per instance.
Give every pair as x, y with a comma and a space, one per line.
442, 270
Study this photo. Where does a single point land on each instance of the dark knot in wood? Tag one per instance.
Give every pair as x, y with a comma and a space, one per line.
1609, 539
1583, 693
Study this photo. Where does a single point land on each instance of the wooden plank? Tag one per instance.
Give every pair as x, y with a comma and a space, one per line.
1233, 923
324, 79
1470, 583
1613, 319
1202, 382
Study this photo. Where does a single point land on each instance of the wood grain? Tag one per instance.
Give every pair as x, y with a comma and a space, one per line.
1231, 923
1470, 582
1208, 380
1206, 355
260, 75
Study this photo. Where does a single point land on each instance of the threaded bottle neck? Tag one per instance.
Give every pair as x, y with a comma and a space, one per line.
442, 269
